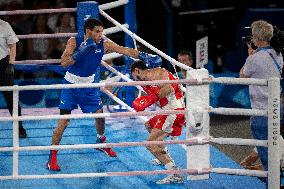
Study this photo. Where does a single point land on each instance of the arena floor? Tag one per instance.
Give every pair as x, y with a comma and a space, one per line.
129, 158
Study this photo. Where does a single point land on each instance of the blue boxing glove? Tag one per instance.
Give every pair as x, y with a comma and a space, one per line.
152, 61
84, 49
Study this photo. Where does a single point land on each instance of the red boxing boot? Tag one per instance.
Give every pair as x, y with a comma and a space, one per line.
108, 151
52, 162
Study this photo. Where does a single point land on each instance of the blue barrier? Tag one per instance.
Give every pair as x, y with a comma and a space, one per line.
229, 96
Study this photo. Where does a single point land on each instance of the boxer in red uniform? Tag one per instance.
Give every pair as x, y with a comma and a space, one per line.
168, 97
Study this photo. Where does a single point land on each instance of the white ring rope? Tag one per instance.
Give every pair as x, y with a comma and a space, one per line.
239, 141
62, 10
121, 103
113, 70
106, 31
136, 173
46, 36
57, 61
238, 111
38, 11
98, 85
107, 174
188, 142
94, 115
240, 81
104, 145
133, 35
243, 172
48, 61
113, 4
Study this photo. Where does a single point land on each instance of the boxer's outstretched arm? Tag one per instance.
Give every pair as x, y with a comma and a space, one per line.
113, 47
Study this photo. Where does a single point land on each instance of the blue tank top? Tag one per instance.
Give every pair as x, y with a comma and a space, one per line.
89, 64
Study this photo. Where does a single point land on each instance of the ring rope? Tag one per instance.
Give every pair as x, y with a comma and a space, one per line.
105, 6
38, 11
57, 61
133, 35
188, 142
238, 111
240, 81
106, 31
98, 85
135, 173
121, 103
113, 70
107, 174
93, 115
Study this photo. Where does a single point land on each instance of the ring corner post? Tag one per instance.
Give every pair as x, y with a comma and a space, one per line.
85, 10
273, 133
197, 101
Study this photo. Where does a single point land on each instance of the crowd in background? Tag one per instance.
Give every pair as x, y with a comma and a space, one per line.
39, 24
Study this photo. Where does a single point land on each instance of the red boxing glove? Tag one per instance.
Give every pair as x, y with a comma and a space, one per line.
141, 103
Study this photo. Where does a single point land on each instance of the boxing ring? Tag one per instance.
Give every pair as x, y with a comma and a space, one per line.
197, 146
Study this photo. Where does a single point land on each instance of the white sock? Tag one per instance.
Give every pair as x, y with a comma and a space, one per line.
100, 136
170, 166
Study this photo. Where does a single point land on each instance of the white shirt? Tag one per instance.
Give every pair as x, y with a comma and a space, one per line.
7, 37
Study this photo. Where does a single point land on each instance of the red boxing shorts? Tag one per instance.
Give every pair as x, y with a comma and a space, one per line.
171, 124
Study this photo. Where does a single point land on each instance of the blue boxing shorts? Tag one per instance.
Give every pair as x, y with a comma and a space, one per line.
88, 99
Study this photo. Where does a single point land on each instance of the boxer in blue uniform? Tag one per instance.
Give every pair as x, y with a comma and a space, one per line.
82, 56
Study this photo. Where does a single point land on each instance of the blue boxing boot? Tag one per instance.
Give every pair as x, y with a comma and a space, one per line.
108, 151
151, 61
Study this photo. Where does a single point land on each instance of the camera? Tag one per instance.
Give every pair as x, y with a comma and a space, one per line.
247, 40
277, 41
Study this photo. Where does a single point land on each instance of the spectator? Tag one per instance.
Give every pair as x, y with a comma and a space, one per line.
40, 48
63, 25
53, 18
186, 58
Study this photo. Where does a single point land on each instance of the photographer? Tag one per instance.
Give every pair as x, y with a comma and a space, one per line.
265, 62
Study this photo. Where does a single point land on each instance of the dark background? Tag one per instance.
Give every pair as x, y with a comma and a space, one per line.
224, 28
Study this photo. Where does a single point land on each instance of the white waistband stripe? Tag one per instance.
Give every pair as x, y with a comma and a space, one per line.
78, 79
